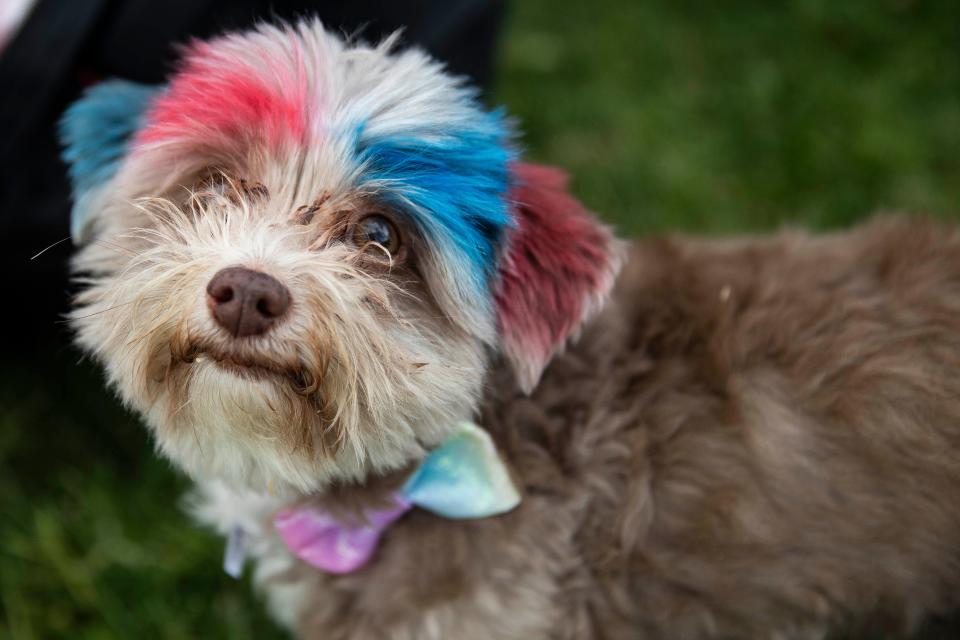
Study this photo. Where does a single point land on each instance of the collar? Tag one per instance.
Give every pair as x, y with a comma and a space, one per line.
464, 478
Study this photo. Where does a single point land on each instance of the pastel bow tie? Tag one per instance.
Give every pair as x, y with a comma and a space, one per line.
463, 478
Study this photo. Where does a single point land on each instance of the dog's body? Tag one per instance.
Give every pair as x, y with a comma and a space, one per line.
755, 439
749, 439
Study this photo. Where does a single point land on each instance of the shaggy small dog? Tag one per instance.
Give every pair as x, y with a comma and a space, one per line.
308, 261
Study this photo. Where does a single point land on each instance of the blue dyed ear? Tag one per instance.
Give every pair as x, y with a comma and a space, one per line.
95, 132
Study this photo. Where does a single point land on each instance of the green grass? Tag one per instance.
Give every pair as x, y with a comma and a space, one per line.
93, 540
674, 114
726, 116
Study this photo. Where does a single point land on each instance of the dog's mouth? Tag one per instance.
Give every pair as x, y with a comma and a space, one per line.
249, 366
244, 368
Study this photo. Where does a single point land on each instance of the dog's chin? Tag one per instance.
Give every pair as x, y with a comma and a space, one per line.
265, 421
251, 422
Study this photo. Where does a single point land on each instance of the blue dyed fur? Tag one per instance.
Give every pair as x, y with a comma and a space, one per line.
95, 132
451, 182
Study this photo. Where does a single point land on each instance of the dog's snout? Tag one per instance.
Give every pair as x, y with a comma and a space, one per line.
246, 302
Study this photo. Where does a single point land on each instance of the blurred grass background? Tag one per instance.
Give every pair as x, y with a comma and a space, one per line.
670, 114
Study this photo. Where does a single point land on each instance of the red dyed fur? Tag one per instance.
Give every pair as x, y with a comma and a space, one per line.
558, 266
224, 102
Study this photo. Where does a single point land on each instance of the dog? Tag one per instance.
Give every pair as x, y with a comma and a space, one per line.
312, 264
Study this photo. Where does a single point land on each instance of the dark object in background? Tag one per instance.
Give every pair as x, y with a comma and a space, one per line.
65, 45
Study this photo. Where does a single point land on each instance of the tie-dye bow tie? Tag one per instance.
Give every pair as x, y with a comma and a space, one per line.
463, 478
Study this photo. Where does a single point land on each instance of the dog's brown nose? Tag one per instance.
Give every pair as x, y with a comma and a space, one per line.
246, 302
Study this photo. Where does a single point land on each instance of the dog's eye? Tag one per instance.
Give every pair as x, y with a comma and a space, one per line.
377, 229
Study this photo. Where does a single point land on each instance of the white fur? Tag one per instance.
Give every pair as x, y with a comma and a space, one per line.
399, 382
223, 509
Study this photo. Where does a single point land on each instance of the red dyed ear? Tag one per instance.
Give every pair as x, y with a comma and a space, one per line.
558, 267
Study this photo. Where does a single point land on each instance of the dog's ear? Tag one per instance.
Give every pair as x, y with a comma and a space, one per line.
557, 268
95, 132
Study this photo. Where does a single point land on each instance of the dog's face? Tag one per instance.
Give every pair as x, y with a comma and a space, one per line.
301, 256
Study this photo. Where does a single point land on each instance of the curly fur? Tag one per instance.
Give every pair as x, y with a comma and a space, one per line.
755, 439
751, 438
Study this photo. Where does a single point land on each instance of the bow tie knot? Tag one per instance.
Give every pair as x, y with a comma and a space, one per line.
464, 478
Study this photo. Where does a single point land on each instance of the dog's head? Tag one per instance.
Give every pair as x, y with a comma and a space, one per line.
300, 255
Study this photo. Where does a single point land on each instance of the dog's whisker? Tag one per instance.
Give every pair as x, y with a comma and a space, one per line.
139, 338
181, 407
48, 247
116, 248
101, 311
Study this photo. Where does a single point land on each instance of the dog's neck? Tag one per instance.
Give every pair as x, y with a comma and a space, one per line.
350, 500
338, 531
